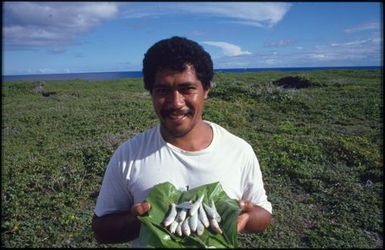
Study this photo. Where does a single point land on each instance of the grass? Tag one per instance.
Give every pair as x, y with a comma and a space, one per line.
320, 150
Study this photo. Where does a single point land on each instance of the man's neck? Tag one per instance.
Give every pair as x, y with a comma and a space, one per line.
197, 139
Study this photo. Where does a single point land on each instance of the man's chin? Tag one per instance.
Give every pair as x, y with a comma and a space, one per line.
174, 131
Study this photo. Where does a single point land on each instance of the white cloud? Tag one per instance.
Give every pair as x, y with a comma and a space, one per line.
280, 44
318, 56
352, 53
56, 50
43, 71
375, 41
228, 48
362, 52
363, 27
258, 14
51, 23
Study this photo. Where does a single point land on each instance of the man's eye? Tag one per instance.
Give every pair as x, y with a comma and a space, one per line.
162, 90
187, 90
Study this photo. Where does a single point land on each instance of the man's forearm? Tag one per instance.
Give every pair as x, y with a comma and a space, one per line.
258, 221
252, 218
115, 228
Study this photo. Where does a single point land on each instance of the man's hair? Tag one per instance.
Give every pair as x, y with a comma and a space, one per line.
176, 53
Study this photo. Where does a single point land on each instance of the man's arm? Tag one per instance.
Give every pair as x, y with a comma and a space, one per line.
119, 227
252, 218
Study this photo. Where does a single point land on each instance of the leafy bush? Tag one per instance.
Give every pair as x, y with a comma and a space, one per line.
320, 150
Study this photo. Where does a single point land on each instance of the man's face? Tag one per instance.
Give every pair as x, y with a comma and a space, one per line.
178, 99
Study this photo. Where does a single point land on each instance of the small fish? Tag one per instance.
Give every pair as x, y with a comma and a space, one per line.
209, 211
195, 206
194, 222
179, 228
181, 215
171, 216
184, 205
203, 216
217, 216
215, 226
186, 227
173, 226
200, 228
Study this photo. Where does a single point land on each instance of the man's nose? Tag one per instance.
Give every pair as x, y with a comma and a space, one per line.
176, 99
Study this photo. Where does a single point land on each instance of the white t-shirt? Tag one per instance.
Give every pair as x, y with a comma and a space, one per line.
146, 160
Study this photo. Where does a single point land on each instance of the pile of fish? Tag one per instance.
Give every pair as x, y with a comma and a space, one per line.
188, 217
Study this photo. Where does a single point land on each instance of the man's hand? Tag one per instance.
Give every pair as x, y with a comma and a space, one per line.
140, 208
119, 227
252, 218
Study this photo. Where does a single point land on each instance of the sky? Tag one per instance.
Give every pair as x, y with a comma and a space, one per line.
77, 37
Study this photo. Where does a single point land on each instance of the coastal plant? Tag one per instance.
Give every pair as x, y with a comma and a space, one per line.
320, 150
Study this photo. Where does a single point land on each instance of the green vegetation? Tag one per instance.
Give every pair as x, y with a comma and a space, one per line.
320, 149
152, 232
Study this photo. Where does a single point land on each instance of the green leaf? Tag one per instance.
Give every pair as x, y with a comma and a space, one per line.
154, 234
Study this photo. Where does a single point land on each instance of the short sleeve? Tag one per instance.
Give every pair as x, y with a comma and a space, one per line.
253, 187
114, 195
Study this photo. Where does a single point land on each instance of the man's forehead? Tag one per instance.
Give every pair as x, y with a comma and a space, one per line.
188, 75
170, 70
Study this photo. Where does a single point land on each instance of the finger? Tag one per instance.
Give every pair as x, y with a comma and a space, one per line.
246, 206
140, 208
242, 222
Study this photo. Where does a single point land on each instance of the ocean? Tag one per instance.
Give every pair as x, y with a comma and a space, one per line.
137, 74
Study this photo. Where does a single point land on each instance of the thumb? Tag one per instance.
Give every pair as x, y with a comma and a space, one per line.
140, 208
245, 205
242, 222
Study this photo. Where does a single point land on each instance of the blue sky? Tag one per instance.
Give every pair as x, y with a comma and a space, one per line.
74, 37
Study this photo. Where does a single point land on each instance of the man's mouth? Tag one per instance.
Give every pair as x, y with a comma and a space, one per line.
176, 114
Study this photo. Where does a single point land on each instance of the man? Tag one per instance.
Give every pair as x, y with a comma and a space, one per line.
183, 149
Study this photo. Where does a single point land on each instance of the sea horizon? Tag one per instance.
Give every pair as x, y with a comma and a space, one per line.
114, 75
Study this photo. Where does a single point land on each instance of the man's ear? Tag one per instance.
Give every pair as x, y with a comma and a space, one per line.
207, 93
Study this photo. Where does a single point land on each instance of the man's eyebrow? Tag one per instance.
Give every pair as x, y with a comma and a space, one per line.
187, 84
183, 84
160, 84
